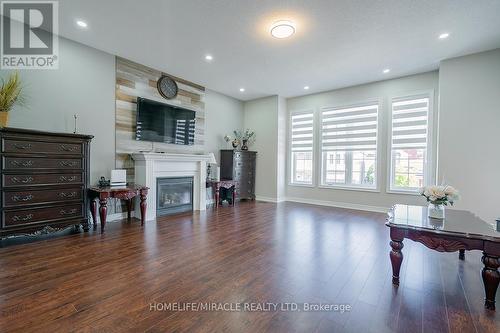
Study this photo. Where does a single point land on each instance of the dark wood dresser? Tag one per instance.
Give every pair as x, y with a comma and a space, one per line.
239, 166
44, 178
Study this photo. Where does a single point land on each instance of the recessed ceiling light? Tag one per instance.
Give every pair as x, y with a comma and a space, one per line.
282, 29
444, 35
81, 24
242, 89
306, 88
385, 71
208, 57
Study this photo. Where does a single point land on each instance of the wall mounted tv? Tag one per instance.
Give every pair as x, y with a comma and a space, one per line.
161, 122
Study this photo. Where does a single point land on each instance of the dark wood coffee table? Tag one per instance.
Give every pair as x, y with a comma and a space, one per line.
124, 193
460, 231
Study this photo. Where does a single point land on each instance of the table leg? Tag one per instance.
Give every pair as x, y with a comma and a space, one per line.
461, 254
217, 190
129, 208
491, 278
93, 211
103, 210
234, 194
396, 255
143, 206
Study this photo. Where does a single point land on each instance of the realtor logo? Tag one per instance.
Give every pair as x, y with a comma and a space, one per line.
29, 37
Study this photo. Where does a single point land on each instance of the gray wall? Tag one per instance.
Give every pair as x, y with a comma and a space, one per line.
84, 85
469, 154
261, 115
282, 149
223, 115
383, 90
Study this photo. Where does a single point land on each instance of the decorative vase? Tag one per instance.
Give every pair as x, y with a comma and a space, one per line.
235, 143
436, 224
244, 145
4, 118
435, 211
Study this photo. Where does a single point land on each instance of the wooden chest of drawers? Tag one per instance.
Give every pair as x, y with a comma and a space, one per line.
44, 178
240, 167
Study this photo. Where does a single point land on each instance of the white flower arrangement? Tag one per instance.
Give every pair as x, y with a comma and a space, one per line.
440, 195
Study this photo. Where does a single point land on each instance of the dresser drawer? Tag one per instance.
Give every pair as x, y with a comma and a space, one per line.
23, 198
41, 163
243, 173
243, 163
25, 146
41, 179
39, 215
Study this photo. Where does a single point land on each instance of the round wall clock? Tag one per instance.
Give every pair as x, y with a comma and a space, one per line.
167, 87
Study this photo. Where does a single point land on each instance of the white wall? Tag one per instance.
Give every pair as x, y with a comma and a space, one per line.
261, 115
84, 85
223, 115
469, 154
383, 90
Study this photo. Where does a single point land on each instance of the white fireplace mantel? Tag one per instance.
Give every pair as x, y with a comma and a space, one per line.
150, 166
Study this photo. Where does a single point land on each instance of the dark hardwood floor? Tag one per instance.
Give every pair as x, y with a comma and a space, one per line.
255, 252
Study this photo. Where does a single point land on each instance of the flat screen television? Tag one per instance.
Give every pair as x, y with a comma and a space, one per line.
161, 122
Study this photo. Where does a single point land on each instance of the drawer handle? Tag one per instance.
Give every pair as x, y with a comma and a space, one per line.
23, 147
19, 163
24, 181
67, 212
67, 195
68, 163
20, 198
17, 218
68, 148
67, 179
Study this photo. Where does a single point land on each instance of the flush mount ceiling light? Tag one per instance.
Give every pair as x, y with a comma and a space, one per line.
242, 89
282, 29
209, 57
385, 71
444, 35
306, 88
81, 24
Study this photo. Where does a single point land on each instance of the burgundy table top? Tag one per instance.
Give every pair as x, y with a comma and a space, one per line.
129, 187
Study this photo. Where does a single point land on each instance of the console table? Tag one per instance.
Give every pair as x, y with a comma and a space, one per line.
124, 193
459, 231
216, 186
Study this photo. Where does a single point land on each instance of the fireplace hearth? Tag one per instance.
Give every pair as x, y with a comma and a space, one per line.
174, 195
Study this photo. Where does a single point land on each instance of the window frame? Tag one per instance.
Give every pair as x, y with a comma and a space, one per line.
352, 187
429, 162
290, 161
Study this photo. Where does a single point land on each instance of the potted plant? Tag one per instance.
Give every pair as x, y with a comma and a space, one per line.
246, 137
234, 142
10, 95
438, 197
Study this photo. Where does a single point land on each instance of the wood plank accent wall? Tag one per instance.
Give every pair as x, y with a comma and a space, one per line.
135, 80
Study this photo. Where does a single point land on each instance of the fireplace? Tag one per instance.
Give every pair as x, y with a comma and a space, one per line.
174, 195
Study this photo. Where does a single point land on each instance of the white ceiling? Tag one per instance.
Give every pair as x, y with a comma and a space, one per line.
338, 43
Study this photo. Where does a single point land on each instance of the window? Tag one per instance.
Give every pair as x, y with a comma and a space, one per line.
409, 143
349, 146
302, 144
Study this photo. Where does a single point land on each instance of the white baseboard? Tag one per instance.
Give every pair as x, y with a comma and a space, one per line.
111, 217
339, 204
266, 199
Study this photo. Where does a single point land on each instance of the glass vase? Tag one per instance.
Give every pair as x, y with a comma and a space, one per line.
435, 211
